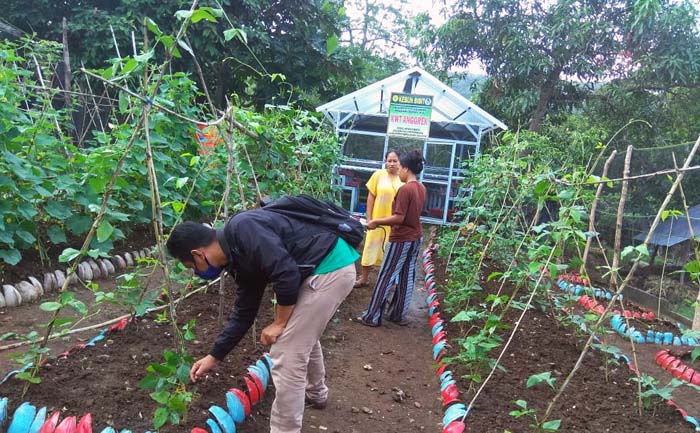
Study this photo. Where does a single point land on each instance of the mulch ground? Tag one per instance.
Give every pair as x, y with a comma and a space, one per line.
382, 380
590, 403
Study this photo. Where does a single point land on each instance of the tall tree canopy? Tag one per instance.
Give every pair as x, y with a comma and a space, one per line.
541, 55
283, 37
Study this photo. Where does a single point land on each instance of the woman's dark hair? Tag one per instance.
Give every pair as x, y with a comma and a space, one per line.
189, 236
397, 152
413, 161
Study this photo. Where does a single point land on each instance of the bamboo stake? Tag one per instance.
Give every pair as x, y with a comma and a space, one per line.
591, 218
114, 39
629, 276
94, 102
227, 191
66, 65
48, 94
618, 222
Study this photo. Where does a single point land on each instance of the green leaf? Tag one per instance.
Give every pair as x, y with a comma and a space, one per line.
148, 382
153, 27
536, 379
203, 14
161, 397
51, 306
181, 182
25, 236
552, 425
183, 373
331, 44
185, 47
159, 417
10, 256
58, 209
26, 210
68, 255
493, 275
60, 322
123, 102
161, 369
56, 234
6, 237
240, 34
104, 231
692, 267
567, 194
145, 57
78, 224
174, 418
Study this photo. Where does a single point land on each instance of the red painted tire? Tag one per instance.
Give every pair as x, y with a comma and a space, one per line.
252, 390
257, 382
243, 397
454, 427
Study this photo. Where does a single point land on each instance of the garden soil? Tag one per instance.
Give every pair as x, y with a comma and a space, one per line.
382, 380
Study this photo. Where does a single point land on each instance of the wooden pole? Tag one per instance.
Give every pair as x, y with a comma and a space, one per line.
618, 223
591, 218
66, 66
629, 276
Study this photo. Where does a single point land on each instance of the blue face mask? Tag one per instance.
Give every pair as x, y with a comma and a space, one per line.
210, 273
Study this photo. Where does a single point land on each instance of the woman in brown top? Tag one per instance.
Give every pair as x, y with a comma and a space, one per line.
399, 264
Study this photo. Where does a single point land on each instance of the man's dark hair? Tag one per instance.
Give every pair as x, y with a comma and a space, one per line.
188, 236
413, 161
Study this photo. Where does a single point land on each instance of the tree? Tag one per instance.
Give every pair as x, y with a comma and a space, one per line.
546, 57
276, 37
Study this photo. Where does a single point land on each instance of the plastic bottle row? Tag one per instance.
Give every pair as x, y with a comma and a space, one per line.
455, 411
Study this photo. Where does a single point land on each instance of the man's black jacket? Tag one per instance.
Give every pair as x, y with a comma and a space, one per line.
265, 247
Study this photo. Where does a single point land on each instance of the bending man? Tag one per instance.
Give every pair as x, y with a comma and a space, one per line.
311, 271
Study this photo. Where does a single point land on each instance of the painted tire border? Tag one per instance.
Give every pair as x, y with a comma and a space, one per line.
455, 410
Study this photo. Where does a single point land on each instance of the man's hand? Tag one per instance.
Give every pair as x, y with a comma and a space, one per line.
371, 225
270, 333
202, 366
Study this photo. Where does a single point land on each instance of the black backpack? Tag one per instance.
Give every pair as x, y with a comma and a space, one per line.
323, 213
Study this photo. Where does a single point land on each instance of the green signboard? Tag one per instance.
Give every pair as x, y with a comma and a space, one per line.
409, 115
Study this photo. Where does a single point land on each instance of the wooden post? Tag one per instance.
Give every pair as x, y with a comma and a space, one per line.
618, 223
66, 66
591, 218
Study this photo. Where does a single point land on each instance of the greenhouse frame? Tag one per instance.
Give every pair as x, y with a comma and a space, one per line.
456, 129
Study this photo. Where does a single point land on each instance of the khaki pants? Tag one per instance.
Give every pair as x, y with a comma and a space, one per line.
298, 369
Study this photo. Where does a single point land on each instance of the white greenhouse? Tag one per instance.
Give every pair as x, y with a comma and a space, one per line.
456, 127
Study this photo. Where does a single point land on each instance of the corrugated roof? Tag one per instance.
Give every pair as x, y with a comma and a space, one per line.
674, 230
448, 105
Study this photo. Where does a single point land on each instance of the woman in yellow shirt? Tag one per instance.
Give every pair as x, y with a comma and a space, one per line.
382, 187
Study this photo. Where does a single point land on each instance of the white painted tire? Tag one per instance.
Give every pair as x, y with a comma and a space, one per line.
12, 296
60, 278
36, 285
96, 274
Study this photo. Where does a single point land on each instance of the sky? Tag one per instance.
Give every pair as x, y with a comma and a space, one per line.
437, 18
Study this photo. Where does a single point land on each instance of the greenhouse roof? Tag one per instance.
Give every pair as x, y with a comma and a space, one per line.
674, 230
448, 105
